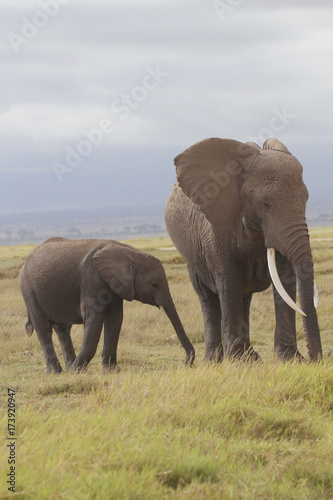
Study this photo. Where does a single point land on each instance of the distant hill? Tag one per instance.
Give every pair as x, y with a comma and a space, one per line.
320, 208
116, 222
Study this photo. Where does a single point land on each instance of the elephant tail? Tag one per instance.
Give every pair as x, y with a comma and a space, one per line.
29, 327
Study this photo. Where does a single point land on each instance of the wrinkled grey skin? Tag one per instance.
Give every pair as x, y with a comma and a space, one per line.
233, 201
66, 282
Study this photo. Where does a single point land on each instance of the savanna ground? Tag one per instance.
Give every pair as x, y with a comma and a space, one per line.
157, 429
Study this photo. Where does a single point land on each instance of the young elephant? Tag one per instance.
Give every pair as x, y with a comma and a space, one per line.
66, 282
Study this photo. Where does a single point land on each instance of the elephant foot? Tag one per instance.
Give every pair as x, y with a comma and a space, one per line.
240, 352
251, 355
299, 358
77, 366
214, 354
69, 361
111, 368
81, 369
290, 354
109, 364
68, 367
53, 368
189, 358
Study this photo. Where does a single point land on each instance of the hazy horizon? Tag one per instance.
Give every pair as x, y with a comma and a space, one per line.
98, 99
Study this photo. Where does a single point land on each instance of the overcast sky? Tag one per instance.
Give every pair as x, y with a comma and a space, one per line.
98, 97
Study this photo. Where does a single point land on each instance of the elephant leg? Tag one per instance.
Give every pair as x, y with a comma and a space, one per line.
93, 324
251, 353
211, 311
235, 316
64, 336
112, 327
44, 332
246, 307
285, 343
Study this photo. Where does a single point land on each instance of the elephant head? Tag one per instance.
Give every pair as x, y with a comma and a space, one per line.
134, 275
262, 190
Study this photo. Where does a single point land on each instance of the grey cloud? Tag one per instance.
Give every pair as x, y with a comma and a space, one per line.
225, 79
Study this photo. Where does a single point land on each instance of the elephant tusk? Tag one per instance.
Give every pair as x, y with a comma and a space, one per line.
277, 282
161, 308
315, 295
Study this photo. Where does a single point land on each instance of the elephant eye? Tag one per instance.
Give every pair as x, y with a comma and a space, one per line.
266, 205
155, 285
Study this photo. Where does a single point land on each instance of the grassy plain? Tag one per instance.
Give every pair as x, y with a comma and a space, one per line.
156, 429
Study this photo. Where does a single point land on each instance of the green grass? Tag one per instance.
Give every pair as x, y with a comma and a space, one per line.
157, 429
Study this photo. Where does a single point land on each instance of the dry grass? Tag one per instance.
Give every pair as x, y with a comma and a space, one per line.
157, 429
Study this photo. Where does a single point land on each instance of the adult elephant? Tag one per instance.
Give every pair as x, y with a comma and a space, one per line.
237, 216
66, 282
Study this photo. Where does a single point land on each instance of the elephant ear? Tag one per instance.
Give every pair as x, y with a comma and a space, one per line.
275, 145
209, 173
116, 266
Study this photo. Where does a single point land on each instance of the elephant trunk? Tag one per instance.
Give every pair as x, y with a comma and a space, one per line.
172, 314
305, 283
298, 252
